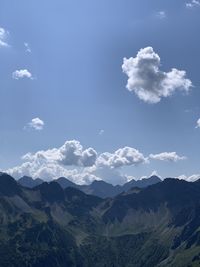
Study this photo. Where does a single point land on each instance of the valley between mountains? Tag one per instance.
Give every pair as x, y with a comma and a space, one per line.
52, 225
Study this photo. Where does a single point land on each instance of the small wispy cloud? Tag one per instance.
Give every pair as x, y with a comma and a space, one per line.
167, 156
35, 124
27, 47
191, 178
101, 132
161, 14
3, 37
192, 4
198, 123
20, 74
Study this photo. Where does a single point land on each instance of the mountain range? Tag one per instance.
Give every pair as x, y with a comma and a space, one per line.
97, 188
48, 226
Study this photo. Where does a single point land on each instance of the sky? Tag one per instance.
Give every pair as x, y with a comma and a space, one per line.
100, 89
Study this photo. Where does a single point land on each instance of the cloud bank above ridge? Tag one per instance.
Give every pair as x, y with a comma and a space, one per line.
83, 165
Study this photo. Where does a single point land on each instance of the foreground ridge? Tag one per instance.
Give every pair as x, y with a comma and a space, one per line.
49, 226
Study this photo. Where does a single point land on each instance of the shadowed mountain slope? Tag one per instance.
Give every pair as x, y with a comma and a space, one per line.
97, 188
49, 226
29, 182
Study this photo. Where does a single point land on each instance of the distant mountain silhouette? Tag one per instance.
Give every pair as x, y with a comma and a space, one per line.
97, 188
101, 189
141, 183
30, 182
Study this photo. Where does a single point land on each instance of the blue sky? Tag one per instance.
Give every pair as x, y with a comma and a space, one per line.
61, 79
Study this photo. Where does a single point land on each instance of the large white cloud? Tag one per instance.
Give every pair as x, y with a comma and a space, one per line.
20, 74
150, 83
122, 157
69, 154
49, 170
167, 156
72, 153
52, 163
81, 165
3, 37
78, 164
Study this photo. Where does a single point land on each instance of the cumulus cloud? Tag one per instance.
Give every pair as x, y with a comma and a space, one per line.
122, 157
69, 154
198, 123
167, 156
3, 37
83, 165
192, 4
52, 163
78, 164
36, 124
72, 153
150, 83
49, 170
20, 74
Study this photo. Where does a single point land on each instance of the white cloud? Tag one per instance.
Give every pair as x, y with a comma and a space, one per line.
130, 178
78, 164
69, 154
72, 153
52, 163
191, 178
27, 47
167, 156
44, 169
198, 123
88, 157
36, 124
154, 173
19, 74
122, 157
50, 170
161, 15
109, 166
81, 165
146, 79
3, 37
192, 4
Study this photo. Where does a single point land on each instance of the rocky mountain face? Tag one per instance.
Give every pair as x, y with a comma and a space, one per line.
97, 188
48, 226
29, 182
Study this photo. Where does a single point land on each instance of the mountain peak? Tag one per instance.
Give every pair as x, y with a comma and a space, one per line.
155, 178
8, 185
29, 182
